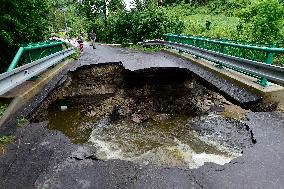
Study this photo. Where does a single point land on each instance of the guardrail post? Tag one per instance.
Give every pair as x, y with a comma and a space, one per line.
16, 59
269, 59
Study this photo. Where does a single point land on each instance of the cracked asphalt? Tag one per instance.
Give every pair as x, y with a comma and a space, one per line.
41, 158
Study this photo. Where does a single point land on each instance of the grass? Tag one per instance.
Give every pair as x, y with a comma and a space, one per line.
6, 139
221, 25
194, 18
149, 49
3, 108
279, 60
21, 121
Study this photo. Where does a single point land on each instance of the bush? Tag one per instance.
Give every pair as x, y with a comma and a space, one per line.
138, 25
262, 21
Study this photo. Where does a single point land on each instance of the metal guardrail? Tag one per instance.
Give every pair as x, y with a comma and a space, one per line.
35, 51
256, 52
11, 79
259, 69
228, 40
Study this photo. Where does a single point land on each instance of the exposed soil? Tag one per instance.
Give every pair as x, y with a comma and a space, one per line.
110, 90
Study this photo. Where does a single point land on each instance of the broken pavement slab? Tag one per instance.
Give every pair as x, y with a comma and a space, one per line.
273, 93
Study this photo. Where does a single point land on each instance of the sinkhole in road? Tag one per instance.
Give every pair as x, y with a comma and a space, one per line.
160, 116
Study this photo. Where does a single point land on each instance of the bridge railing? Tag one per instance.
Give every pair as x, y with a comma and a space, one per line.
256, 52
263, 53
35, 51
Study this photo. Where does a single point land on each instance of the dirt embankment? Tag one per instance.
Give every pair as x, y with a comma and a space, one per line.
147, 94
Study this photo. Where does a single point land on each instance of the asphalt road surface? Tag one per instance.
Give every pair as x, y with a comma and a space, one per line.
41, 158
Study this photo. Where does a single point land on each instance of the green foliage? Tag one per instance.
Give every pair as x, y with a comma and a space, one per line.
116, 6
6, 139
3, 108
244, 20
263, 21
138, 25
196, 17
28, 21
76, 17
146, 21
76, 55
149, 49
21, 22
22, 121
221, 26
192, 2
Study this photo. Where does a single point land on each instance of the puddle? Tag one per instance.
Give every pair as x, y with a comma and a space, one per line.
147, 117
71, 123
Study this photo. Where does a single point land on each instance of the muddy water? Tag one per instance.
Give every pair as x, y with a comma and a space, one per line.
71, 123
166, 142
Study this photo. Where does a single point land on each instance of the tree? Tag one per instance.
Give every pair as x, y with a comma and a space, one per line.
116, 6
196, 2
21, 22
137, 25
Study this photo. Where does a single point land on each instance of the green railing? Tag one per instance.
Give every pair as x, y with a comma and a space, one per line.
234, 41
257, 52
248, 51
35, 51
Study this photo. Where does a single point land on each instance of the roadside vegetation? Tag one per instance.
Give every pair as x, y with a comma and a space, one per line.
6, 139
3, 108
21, 121
257, 21
146, 49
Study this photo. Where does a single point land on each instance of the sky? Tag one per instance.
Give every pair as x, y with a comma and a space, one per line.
128, 3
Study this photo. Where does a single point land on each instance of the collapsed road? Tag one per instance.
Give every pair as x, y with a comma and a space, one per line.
45, 155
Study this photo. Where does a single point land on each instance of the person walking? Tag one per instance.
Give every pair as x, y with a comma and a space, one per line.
93, 38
